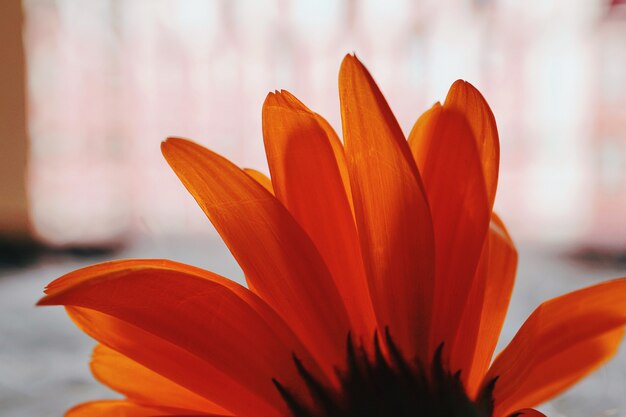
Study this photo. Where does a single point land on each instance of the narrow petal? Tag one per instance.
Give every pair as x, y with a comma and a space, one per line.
424, 133
527, 412
261, 178
144, 386
167, 316
445, 151
115, 408
488, 302
556, 375
563, 340
308, 182
340, 157
392, 214
290, 100
277, 257
467, 100
163, 357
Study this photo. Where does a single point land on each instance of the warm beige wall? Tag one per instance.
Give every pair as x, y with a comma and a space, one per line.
13, 136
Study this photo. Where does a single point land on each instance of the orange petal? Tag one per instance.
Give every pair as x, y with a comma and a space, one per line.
289, 100
261, 178
563, 340
277, 257
488, 302
467, 100
392, 214
444, 149
555, 376
144, 386
308, 182
167, 316
340, 157
527, 412
115, 408
424, 133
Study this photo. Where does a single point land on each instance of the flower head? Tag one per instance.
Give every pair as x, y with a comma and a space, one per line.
378, 280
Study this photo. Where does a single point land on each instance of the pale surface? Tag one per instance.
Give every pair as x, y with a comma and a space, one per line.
43, 358
109, 79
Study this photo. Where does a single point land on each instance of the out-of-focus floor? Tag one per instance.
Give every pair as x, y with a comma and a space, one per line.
44, 359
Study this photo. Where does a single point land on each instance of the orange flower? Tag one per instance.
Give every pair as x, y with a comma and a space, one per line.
378, 278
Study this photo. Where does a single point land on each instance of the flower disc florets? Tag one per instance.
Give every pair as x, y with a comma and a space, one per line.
385, 384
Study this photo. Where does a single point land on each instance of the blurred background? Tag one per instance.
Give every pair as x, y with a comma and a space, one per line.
90, 89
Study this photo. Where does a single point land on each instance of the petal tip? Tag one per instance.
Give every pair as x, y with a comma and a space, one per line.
173, 144
284, 99
271, 99
463, 86
171, 141
350, 61
44, 301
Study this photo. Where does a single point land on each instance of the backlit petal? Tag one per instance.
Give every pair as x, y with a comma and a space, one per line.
201, 331
277, 257
446, 154
340, 156
308, 182
528, 412
486, 308
556, 375
562, 341
467, 100
115, 408
144, 386
289, 100
261, 178
392, 214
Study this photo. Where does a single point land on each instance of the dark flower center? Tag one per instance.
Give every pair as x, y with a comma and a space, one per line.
388, 386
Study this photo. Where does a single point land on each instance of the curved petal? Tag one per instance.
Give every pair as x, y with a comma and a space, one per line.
527, 412
445, 151
261, 178
467, 100
556, 375
277, 257
144, 386
563, 340
308, 182
391, 210
488, 302
290, 100
167, 316
115, 408
340, 157
424, 132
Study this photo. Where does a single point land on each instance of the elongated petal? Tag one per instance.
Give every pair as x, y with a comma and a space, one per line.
556, 375
261, 178
340, 157
277, 257
527, 412
177, 364
488, 302
563, 340
467, 100
115, 408
144, 386
424, 133
188, 325
392, 214
445, 151
308, 182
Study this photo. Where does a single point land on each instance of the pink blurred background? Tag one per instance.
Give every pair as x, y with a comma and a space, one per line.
89, 89
109, 79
